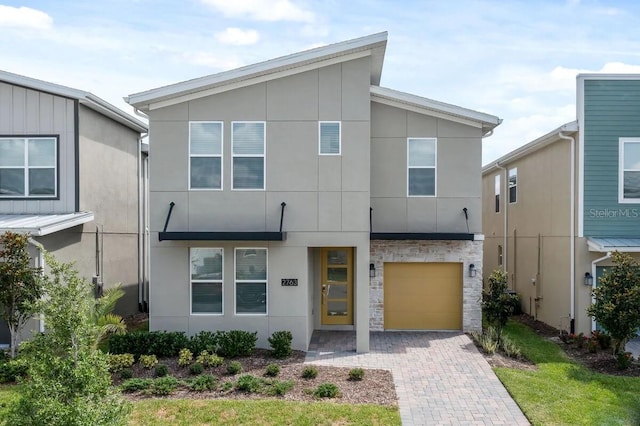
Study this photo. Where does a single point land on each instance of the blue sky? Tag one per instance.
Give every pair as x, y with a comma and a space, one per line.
514, 59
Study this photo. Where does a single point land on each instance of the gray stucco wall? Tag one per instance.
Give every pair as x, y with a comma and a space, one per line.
458, 173
29, 112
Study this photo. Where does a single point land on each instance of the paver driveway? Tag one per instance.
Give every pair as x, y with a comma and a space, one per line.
440, 377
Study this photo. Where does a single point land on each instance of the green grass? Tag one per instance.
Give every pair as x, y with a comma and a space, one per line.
241, 412
562, 392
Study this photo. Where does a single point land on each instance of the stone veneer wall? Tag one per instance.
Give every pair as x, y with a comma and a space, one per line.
467, 252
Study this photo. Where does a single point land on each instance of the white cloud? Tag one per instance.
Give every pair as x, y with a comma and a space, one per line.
262, 10
221, 62
238, 37
24, 17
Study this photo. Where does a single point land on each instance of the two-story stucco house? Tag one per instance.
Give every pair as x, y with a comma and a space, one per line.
556, 208
297, 194
72, 176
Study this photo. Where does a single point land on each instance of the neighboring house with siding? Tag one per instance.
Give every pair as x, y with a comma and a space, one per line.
557, 207
71, 175
297, 194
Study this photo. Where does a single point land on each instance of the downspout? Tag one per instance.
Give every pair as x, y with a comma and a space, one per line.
572, 245
505, 248
142, 223
595, 281
40, 265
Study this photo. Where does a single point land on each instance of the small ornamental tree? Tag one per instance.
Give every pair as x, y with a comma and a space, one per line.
617, 300
497, 304
68, 381
20, 284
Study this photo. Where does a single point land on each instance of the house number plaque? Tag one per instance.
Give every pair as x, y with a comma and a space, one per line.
289, 282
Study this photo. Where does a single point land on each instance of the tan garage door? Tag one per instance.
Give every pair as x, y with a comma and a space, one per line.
423, 296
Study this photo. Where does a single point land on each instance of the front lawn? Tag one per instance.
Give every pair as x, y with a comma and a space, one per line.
563, 392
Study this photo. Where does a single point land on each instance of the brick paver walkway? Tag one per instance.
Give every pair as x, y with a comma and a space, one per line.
440, 377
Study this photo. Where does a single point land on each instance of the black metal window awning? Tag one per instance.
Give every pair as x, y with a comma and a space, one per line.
223, 235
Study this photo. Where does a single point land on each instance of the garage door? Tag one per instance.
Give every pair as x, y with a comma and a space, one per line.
423, 296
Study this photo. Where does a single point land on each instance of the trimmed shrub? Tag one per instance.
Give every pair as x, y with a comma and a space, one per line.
203, 383
162, 344
136, 385
248, 383
161, 370
209, 359
118, 362
126, 373
234, 367
237, 343
148, 361
272, 370
356, 374
163, 386
280, 342
278, 388
326, 390
196, 368
309, 372
624, 360
205, 341
185, 357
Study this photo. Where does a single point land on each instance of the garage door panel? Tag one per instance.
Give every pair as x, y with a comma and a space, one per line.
423, 296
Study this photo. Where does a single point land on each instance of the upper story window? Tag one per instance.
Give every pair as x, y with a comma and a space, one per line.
248, 151
496, 191
421, 170
513, 185
205, 155
629, 171
330, 138
28, 167
251, 280
206, 280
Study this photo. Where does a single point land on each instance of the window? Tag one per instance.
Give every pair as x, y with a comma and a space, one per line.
421, 170
330, 138
206, 280
497, 192
248, 149
205, 155
28, 167
629, 180
499, 255
251, 281
513, 185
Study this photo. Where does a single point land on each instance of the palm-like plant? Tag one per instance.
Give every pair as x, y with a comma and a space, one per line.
108, 323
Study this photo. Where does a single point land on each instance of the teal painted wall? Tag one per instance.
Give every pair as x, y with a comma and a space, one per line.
611, 111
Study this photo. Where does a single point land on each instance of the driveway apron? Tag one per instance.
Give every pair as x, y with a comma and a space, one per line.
440, 377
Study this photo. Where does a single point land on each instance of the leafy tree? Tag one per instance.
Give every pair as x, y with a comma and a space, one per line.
69, 382
20, 284
497, 304
617, 300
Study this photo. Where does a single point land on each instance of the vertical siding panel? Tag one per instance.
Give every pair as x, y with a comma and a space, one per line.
46, 113
32, 112
19, 110
6, 109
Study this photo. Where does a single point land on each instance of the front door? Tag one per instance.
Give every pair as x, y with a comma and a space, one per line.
337, 286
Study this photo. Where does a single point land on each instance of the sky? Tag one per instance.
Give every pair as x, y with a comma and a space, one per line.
517, 60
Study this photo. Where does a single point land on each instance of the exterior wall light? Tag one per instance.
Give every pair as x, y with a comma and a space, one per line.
372, 270
588, 279
472, 270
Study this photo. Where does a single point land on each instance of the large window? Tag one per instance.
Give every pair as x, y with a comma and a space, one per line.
629, 179
496, 191
251, 281
28, 167
205, 155
206, 280
421, 170
248, 150
330, 143
513, 185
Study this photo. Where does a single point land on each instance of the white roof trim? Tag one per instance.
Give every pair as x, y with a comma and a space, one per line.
595, 76
533, 146
85, 98
373, 45
606, 245
39, 225
434, 108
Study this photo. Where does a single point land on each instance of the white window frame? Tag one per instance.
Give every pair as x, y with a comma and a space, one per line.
191, 281
236, 281
221, 156
621, 170
515, 170
263, 156
26, 168
434, 167
497, 189
320, 123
